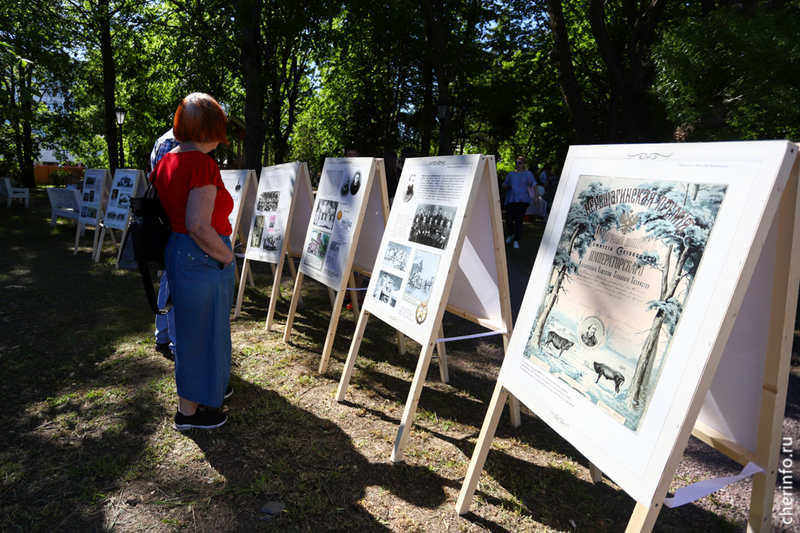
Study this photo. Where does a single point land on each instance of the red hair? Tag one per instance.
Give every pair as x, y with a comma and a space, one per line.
200, 119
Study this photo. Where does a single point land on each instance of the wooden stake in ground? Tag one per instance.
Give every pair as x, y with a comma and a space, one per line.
700, 240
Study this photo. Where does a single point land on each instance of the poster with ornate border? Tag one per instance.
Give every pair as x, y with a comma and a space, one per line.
637, 268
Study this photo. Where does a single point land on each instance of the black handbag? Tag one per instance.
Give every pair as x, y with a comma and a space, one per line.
146, 241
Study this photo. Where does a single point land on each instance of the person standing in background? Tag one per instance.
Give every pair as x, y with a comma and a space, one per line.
518, 199
165, 324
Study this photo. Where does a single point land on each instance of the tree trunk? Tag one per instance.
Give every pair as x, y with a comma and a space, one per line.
570, 89
109, 83
249, 14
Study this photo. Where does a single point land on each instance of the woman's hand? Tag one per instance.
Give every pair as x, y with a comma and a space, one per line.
199, 209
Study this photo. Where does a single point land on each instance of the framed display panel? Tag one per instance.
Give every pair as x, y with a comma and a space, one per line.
279, 221
127, 183
351, 204
446, 214
642, 270
241, 185
96, 190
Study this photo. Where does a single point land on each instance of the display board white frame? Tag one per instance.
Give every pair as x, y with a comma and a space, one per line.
127, 184
642, 460
446, 212
94, 197
280, 212
241, 184
350, 212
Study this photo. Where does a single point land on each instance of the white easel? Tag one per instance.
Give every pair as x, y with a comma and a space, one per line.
476, 247
127, 184
766, 285
289, 225
367, 220
96, 190
241, 185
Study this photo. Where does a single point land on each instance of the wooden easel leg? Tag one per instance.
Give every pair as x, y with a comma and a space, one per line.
287, 334
240, 296
595, 473
293, 273
444, 375
769, 446
332, 326
354, 295
119, 252
411, 403
276, 292
643, 518
513, 411
401, 342
488, 430
98, 247
332, 296
78, 234
94, 241
347, 372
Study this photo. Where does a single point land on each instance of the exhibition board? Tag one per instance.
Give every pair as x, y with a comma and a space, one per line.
127, 183
350, 209
95, 193
443, 249
241, 185
638, 283
278, 222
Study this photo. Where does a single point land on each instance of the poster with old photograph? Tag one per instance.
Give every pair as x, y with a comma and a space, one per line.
124, 185
95, 190
337, 206
418, 244
613, 334
271, 213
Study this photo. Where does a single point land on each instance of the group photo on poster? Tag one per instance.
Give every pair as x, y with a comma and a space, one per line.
432, 225
623, 270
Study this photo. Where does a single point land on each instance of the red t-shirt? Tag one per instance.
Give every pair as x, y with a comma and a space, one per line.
177, 174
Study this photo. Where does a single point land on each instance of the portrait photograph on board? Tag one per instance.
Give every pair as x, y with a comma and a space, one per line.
257, 231
325, 214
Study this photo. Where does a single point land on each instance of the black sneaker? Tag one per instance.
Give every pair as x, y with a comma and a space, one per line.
163, 349
229, 392
202, 419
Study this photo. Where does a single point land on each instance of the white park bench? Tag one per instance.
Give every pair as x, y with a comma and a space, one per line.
13, 193
64, 203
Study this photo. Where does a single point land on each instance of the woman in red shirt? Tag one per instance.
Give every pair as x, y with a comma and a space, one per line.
199, 261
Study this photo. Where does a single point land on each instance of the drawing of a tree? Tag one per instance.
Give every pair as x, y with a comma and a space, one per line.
681, 258
579, 233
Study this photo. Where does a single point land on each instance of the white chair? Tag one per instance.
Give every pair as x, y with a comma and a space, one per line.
65, 203
19, 193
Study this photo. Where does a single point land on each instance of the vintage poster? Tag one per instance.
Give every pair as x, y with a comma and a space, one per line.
94, 189
271, 213
338, 204
624, 269
417, 247
635, 274
123, 187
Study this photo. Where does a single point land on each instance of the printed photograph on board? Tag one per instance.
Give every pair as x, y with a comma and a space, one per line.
432, 225
268, 201
422, 276
623, 270
397, 256
317, 248
258, 230
272, 242
387, 288
325, 215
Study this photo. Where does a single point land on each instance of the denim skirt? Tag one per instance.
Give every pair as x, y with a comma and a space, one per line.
202, 297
